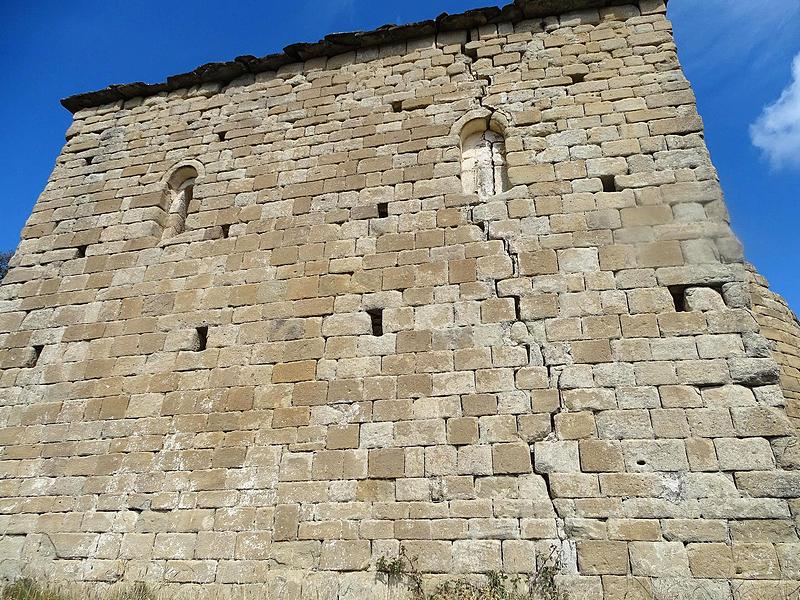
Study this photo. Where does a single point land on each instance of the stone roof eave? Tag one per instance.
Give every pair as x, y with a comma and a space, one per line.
332, 45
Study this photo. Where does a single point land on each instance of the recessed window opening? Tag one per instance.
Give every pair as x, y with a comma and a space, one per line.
222, 135
82, 251
202, 338
37, 353
181, 189
397, 106
226, 231
483, 159
383, 210
609, 184
376, 316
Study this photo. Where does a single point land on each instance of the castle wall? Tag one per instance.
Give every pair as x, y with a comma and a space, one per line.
258, 333
779, 324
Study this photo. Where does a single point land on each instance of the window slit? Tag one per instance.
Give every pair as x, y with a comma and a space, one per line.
181, 189
202, 338
376, 318
37, 353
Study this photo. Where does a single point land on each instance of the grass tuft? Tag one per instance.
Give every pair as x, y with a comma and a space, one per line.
540, 585
28, 589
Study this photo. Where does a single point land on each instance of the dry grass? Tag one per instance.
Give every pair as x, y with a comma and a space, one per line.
495, 586
27, 589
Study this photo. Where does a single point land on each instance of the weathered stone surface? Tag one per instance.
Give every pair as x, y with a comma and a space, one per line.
463, 289
659, 559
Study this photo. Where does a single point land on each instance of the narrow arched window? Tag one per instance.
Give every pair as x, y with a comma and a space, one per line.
181, 190
483, 159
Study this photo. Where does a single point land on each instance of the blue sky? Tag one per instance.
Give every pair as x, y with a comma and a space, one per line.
738, 54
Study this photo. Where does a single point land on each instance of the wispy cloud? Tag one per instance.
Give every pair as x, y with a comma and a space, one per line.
745, 33
777, 131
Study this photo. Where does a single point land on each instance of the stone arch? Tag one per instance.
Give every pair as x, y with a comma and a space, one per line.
483, 153
180, 183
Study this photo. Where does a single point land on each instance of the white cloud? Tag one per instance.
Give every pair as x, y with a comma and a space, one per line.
777, 131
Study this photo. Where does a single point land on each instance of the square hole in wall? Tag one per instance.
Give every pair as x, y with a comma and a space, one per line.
609, 185
376, 317
678, 293
202, 338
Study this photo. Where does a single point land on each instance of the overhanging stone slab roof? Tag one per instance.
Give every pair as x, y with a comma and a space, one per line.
333, 44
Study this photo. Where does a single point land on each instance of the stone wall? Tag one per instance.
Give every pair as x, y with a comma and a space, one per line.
780, 326
257, 332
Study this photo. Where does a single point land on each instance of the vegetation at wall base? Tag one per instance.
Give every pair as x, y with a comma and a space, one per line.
540, 585
28, 589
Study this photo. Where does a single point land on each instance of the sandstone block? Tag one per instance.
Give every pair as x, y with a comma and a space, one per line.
598, 456
761, 421
596, 557
575, 426
462, 431
294, 371
531, 174
519, 556
770, 484
579, 260
551, 457
286, 522
655, 455
511, 458
345, 555
477, 556
749, 454
756, 561
388, 463
543, 262
431, 556
343, 436
711, 561
659, 559
291, 417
